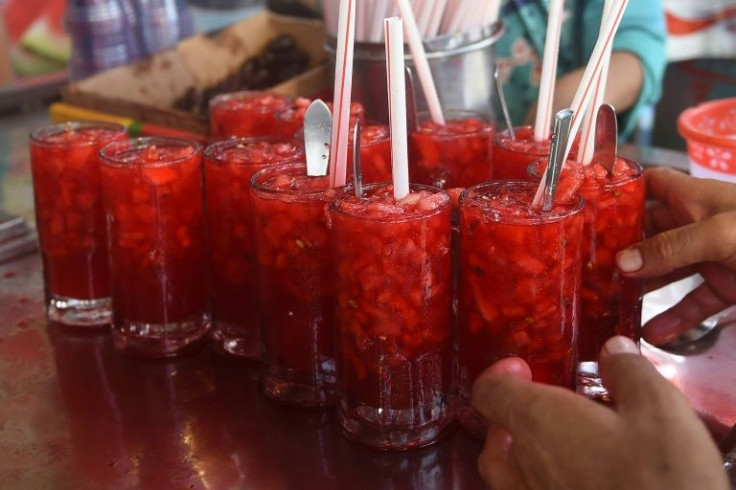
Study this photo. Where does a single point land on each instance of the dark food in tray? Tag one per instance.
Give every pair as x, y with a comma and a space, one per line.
281, 60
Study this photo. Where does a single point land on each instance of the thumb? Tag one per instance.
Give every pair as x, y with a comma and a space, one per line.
633, 382
711, 240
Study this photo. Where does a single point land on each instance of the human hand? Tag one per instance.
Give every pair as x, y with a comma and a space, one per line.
546, 437
691, 228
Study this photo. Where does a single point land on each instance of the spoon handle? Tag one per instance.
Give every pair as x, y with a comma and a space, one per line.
357, 168
560, 135
728, 449
502, 100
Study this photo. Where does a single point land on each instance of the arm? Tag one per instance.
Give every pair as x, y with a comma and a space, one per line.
621, 91
638, 59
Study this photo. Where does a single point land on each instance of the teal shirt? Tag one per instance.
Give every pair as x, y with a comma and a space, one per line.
520, 50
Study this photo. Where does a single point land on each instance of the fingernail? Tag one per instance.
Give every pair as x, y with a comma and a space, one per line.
619, 345
629, 260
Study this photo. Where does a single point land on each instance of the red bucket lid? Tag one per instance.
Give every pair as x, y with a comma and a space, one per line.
712, 122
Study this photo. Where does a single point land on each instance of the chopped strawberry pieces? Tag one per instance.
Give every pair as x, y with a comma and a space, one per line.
515, 295
393, 262
457, 154
68, 204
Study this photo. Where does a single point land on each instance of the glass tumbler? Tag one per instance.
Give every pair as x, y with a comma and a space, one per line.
70, 218
296, 290
153, 190
394, 316
233, 283
519, 287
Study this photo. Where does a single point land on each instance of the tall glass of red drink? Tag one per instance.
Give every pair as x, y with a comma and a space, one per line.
70, 219
375, 153
289, 121
457, 154
295, 287
229, 165
153, 193
246, 114
394, 315
512, 157
519, 290
611, 303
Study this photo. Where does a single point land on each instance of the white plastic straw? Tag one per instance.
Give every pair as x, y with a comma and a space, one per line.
380, 9
543, 122
587, 139
424, 11
492, 11
397, 105
361, 21
435, 20
472, 15
456, 20
451, 11
584, 94
420, 62
342, 93
329, 12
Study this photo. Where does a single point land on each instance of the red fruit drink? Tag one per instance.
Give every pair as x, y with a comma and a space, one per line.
519, 287
246, 114
229, 166
290, 121
611, 303
511, 157
71, 221
457, 154
153, 194
394, 316
295, 287
375, 154
375, 144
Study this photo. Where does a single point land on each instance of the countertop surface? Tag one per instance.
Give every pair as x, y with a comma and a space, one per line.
76, 415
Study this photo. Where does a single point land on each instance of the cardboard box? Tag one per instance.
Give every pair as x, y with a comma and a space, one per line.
146, 90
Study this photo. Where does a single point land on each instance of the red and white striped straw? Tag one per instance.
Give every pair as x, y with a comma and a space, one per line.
584, 94
543, 121
587, 138
397, 105
420, 62
342, 93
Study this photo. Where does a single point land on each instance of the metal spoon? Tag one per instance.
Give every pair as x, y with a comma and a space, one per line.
727, 447
502, 100
317, 134
560, 135
412, 122
606, 137
357, 169
702, 336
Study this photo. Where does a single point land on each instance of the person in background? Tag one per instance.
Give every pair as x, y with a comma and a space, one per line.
546, 437
637, 64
